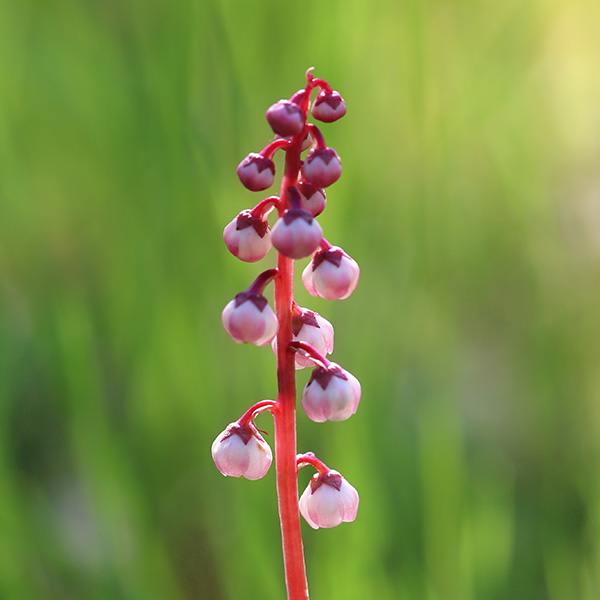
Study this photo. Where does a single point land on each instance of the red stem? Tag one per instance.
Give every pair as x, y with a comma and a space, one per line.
316, 134
256, 409
310, 459
259, 284
310, 352
260, 209
270, 149
285, 417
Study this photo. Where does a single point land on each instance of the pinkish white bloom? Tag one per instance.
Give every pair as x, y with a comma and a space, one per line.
322, 167
240, 451
328, 107
285, 118
312, 199
331, 274
256, 172
310, 327
296, 234
247, 237
331, 394
248, 318
328, 501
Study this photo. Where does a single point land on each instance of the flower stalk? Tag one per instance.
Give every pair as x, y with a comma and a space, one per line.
300, 337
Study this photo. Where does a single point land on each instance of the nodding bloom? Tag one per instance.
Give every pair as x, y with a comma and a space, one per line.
328, 106
241, 451
310, 327
256, 172
296, 234
247, 237
331, 274
285, 118
248, 318
331, 394
322, 167
312, 199
328, 501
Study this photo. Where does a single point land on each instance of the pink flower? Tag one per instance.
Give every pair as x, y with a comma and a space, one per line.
331, 394
322, 167
328, 107
247, 237
310, 327
328, 501
312, 199
332, 274
296, 234
256, 172
285, 118
240, 451
248, 318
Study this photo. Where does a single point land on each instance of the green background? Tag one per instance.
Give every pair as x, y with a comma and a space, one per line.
470, 198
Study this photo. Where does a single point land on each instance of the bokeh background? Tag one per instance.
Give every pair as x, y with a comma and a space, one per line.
471, 199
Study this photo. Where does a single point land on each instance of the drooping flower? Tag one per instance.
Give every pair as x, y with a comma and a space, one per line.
247, 237
331, 274
241, 451
328, 501
256, 172
248, 318
331, 394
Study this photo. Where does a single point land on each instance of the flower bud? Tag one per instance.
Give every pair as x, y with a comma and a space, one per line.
322, 167
296, 234
240, 451
328, 501
312, 199
248, 318
331, 394
285, 118
256, 172
332, 274
328, 107
247, 237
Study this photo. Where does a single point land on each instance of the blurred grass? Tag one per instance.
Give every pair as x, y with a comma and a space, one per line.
471, 198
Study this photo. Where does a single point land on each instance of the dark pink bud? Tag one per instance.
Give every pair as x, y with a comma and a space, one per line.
247, 237
331, 274
256, 172
328, 107
328, 501
296, 234
248, 318
313, 199
331, 394
240, 451
285, 118
322, 167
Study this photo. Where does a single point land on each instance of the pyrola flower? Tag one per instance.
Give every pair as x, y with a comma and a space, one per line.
240, 451
322, 167
256, 172
328, 107
331, 274
285, 118
328, 501
312, 199
248, 318
296, 234
247, 237
331, 394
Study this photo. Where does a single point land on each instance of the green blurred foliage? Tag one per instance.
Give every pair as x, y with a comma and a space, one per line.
471, 199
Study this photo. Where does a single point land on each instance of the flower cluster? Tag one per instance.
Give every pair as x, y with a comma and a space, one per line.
331, 393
